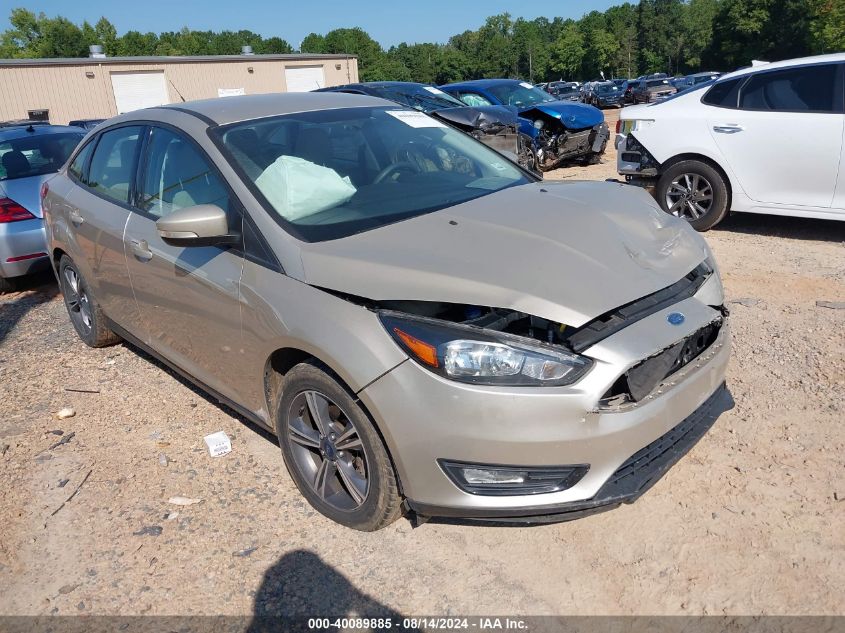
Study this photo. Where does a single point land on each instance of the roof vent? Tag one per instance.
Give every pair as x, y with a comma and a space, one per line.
246, 50
95, 50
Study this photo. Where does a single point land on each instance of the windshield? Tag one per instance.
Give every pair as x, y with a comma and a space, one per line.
425, 98
35, 155
329, 174
567, 90
608, 88
520, 94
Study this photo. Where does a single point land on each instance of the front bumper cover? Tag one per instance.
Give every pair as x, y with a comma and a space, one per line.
630, 481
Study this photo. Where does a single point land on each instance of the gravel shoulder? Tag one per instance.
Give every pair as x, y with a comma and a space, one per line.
749, 522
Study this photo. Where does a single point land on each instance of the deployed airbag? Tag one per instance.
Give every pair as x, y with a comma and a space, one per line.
297, 188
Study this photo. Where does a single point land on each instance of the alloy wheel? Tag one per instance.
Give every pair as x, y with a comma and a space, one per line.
76, 297
689, 196
328, 451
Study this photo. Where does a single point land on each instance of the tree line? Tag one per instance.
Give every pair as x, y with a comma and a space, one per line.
674, 36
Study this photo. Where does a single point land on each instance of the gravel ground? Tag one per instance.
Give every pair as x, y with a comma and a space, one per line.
749, 522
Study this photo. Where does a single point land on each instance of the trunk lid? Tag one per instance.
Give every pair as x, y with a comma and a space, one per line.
25, 191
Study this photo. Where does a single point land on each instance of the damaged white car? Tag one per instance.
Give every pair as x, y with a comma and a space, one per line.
428, 329
764, 139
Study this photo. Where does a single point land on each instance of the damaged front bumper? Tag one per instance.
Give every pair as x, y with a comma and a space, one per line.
633, 160
557, 148
625, 448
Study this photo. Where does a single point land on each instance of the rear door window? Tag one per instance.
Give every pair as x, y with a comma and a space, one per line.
112, 169
724, 94
815, 88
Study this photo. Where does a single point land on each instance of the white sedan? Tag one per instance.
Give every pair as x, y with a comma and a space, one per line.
764, 139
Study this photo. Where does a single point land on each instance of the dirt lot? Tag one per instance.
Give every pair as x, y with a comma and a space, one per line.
749, 522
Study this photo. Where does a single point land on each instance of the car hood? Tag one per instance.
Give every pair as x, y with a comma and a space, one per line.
566, 252
573, 115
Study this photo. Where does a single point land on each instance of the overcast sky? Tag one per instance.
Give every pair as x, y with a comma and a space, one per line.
388, 22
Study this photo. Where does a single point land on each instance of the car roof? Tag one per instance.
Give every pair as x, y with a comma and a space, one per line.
21, 131
221, 111
786, 63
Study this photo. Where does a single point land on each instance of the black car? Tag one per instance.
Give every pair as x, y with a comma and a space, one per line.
565, 90
604, 94
496, 126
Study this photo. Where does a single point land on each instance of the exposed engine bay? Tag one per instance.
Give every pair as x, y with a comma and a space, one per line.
555, 143
497, 319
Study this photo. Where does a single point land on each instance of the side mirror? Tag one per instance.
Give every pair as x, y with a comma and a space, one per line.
200, 225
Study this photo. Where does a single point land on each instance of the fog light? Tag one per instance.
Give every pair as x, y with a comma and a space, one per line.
483, 479
488, 476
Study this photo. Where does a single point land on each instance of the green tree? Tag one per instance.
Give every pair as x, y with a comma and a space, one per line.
313, 43
106, 36
827, 25
135, 43
569, 51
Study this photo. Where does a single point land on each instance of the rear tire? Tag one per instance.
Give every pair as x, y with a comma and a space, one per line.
333, 452
6, 285
85, 313
695, 192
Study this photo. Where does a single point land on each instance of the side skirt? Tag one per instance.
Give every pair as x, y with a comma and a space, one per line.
249, 415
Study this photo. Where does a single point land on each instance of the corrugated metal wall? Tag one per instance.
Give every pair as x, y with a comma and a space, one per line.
69, 94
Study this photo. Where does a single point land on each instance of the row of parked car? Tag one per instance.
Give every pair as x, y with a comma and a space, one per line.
620, 92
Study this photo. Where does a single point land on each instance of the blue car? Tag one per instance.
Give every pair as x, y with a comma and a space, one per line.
561, 130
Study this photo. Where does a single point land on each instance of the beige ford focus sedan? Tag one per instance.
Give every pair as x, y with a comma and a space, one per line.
428, 329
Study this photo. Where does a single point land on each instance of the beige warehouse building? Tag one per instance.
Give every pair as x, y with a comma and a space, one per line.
101, 87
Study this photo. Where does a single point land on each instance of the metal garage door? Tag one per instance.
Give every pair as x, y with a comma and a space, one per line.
304, 78
133, 91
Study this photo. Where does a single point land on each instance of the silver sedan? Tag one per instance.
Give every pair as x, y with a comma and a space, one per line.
428, 329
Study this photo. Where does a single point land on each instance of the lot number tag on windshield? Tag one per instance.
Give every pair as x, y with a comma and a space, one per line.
415, 119
525, 84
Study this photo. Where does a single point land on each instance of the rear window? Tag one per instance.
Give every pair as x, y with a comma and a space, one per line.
652, 83
724, 94
36, 155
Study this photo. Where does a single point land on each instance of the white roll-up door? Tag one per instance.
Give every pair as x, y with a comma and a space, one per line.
304, 78
136, 90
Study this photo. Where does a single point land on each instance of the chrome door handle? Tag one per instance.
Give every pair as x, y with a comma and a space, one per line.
728, 128
75, 217
141, 249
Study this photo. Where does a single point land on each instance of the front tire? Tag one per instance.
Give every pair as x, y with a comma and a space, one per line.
694, 191
84, 311
334, 453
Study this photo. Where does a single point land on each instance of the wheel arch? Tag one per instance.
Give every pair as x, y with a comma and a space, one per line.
707, 161
283, 359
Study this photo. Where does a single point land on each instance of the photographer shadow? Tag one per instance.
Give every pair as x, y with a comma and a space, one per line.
300, 587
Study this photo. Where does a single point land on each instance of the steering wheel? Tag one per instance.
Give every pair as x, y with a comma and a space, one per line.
395, 168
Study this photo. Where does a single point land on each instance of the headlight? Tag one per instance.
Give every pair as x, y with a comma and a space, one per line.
479, 356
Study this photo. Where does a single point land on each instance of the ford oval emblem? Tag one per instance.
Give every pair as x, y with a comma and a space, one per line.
676, 318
